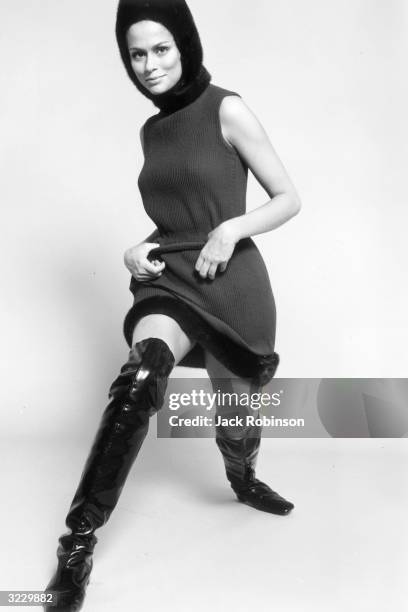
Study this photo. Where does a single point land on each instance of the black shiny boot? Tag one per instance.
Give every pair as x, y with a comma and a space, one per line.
240, 451
240, 458
136, 394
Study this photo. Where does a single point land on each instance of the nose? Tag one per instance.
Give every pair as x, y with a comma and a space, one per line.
150, 64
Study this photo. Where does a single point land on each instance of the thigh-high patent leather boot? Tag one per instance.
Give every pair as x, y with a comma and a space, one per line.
239, 448
136, 394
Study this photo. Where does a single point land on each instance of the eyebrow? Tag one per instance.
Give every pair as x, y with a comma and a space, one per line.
156, 45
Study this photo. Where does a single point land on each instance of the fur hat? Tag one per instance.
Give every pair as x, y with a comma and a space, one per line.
177, 18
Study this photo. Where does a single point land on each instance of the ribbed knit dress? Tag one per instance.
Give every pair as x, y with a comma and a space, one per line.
191, 181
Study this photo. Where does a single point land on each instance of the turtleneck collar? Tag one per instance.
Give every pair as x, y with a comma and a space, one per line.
182, 93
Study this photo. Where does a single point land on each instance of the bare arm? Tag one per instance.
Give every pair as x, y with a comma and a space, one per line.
242, 130
141, 134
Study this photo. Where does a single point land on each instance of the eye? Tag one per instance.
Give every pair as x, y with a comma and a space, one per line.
136, 54
162, 49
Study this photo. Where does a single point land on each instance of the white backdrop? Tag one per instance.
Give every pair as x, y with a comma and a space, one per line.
326, 79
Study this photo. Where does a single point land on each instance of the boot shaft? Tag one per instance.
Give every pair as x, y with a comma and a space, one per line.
136, 394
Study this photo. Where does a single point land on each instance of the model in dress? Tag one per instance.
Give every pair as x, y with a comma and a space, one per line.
202, 295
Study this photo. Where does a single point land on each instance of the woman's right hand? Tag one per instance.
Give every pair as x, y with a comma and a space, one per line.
139, 266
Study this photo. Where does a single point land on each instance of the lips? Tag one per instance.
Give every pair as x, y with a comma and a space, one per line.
153, 80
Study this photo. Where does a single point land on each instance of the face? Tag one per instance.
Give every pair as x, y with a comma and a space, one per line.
154, 56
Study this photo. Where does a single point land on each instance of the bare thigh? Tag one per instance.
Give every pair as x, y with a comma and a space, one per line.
167, 329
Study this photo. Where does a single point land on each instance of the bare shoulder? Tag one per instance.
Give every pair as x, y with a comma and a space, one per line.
233, 106
238, 121
242, 130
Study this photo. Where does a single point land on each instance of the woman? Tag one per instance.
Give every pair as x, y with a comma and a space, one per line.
202, 295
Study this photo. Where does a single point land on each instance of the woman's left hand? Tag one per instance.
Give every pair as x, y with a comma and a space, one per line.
217, 251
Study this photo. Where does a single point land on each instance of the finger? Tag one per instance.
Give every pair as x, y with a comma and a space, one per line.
212, 270
199, 262
222, 267
153, 268
204, 269
158, 266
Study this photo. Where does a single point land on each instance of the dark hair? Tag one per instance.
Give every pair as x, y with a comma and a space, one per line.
176, 17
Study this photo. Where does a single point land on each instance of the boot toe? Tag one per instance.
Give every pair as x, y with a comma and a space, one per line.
66, 601
262, 497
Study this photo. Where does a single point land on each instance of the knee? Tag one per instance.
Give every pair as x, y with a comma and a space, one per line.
168, 330
150, 360
156, 361
152, 356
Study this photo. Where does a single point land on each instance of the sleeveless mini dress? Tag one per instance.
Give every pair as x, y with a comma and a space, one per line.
191, 181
